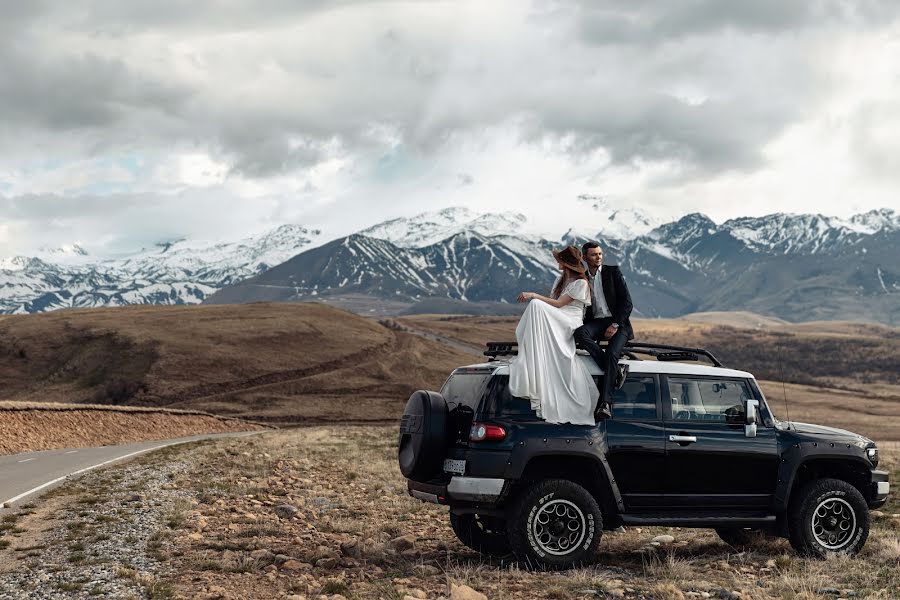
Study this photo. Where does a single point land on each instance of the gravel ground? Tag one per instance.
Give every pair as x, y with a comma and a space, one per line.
323, 512
108, 538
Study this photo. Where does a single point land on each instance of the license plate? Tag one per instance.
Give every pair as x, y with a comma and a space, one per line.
457, 467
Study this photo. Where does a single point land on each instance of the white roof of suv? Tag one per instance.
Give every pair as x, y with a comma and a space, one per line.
646, 366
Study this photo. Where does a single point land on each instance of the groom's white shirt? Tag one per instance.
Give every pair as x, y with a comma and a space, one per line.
600, 308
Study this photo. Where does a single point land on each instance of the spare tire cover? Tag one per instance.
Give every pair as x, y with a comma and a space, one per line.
423, 435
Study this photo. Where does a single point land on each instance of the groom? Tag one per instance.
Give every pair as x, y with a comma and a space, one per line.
606, 319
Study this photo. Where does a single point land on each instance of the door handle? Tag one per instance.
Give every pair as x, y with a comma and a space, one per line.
683, 439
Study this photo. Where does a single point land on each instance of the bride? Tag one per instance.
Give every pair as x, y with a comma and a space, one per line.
546, 370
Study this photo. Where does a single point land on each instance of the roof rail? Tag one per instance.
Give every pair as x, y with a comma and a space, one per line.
662, 352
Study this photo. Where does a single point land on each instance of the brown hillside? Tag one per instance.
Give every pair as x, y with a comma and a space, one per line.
278, 362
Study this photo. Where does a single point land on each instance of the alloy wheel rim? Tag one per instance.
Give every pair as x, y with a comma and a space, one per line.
559, 527
833, 523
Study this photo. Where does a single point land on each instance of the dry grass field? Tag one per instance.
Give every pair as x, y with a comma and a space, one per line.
318, 511
841, 374
280, 363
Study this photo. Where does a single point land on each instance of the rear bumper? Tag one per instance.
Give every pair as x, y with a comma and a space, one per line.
481, 490
881, 487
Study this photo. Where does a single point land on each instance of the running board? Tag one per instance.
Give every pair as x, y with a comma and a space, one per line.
732, 520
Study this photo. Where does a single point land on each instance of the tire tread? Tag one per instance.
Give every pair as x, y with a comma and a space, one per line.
802, 503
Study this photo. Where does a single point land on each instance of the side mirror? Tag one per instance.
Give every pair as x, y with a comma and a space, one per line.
751, 410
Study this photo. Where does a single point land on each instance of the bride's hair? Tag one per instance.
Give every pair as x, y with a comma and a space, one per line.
564, 280
570, 259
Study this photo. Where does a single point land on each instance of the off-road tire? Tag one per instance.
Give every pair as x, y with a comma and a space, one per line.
818, 515
555, 524
740, 538
486, 535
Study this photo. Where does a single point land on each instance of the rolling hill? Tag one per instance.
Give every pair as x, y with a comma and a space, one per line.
284, 363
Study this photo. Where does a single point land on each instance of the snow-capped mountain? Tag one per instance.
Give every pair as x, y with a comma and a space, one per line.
874, 221
688, 265
616, 223
218, 262
181, 272
429, 228
793, 266
466, 266
66, 252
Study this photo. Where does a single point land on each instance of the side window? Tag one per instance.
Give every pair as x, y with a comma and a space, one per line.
636, 400
714, 400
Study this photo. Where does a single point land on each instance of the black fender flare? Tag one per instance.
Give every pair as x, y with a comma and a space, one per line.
800, 454
528, 453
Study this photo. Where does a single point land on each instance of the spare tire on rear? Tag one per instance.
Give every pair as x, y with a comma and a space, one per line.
423, 435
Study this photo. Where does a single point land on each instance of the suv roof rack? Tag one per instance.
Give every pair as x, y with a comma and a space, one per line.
662, 352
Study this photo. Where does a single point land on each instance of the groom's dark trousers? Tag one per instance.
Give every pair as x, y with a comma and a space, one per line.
606, 358
618, 300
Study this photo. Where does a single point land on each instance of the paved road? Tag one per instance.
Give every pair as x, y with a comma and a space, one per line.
24, 475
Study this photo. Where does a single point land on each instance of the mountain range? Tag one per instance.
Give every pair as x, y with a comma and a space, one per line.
173, 272
797, 267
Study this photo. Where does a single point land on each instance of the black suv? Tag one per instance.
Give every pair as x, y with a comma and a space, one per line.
688, 445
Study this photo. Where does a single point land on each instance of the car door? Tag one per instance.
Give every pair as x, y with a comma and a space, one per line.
635, 438
710, 463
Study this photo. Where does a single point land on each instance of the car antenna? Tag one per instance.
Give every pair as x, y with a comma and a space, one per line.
787, 413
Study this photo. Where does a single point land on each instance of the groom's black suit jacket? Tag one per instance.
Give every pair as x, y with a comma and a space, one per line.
617, 298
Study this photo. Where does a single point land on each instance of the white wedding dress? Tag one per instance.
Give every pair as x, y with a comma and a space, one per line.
546, 370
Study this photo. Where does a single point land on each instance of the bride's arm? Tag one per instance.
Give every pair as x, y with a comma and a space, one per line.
563, 300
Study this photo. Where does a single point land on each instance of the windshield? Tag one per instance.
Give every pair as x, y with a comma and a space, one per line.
765, 411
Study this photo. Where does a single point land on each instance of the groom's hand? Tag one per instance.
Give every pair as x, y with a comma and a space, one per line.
610, 331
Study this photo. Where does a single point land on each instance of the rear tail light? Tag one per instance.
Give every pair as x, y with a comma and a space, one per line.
483, 432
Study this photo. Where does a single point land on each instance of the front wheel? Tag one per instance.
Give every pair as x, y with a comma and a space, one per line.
556, 524
828, 516
482, 534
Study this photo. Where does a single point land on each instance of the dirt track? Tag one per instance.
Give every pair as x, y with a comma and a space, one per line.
45, 429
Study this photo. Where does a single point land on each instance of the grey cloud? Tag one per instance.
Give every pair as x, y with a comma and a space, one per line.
258, 153
112, 17
77, 92
464, 179
612, 93
659, 21
874, 150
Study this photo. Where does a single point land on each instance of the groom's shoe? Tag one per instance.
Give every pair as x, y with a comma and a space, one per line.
602, 412
621, 374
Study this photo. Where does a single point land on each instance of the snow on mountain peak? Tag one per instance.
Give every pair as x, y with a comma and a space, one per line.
874, 221
64, 250
17, 263
67, 254
429, 228
617, 222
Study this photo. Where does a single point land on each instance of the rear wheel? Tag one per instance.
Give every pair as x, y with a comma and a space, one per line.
828, 516
482, 534
556, 524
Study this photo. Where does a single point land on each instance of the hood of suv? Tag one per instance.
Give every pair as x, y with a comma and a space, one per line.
821, 431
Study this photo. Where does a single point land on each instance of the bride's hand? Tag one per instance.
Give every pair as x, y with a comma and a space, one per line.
525, 296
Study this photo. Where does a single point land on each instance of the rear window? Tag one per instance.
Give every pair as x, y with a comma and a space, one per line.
464, 389
500, 403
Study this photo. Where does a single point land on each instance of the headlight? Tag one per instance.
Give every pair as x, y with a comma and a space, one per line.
872, 454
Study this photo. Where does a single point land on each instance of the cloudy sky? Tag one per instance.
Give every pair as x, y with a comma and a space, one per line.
124, 123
